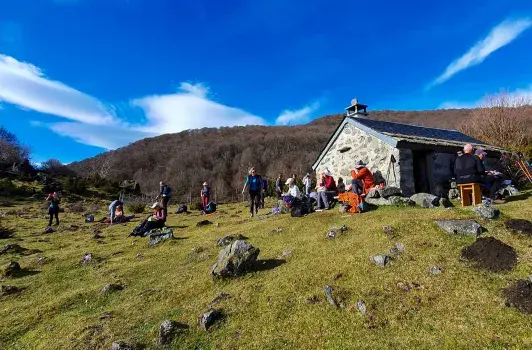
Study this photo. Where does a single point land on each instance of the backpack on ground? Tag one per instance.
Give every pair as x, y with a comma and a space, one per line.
182, 209
300, 208
211, 208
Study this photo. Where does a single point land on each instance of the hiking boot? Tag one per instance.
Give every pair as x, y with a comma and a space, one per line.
251, 215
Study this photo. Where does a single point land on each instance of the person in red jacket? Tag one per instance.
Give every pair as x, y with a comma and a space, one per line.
326, 190
362, 179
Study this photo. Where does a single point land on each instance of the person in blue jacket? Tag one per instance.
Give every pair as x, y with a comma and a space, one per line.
254, 181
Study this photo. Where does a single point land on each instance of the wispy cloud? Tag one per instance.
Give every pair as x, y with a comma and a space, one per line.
299, 116
500, 36
26, 86
94, 122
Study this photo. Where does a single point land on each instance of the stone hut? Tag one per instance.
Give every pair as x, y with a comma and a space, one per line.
414, 158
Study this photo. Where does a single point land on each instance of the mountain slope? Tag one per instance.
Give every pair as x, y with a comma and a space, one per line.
222, 156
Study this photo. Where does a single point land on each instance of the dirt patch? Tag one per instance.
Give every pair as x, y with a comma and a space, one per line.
519, 225
519, 296
491, 254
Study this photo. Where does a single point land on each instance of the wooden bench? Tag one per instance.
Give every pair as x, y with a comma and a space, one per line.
470, 191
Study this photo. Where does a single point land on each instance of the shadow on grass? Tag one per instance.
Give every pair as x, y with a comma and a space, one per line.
265, 265
519, 197
25, 273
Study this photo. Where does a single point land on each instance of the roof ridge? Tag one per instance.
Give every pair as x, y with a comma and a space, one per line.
415, 125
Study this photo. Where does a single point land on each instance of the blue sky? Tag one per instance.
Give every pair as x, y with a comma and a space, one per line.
78, 77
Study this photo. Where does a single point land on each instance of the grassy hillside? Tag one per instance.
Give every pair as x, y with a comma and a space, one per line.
61, 307
223, 156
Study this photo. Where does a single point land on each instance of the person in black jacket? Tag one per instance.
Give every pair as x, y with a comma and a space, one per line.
491, 178
468, 168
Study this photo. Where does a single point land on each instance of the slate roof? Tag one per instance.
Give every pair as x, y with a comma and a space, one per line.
401, 135
397, 130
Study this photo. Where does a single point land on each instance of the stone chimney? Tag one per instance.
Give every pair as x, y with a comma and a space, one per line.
356, 110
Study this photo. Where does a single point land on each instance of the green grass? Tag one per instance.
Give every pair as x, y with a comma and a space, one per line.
60, 307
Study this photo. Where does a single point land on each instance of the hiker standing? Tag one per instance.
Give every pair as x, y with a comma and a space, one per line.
278, 184
53, 209
255, 184
205, 195
112, 209
165, 195
307, 182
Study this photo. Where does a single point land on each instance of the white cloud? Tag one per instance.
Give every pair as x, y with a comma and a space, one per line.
26, 86
92, 122
299, 116
190, 108
500, 36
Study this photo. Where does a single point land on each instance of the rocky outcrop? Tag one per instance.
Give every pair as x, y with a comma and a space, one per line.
235, 259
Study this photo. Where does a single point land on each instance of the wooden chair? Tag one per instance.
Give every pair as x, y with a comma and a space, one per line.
468, 191
351, 199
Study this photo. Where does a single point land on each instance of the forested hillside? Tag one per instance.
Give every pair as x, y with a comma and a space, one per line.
223, 156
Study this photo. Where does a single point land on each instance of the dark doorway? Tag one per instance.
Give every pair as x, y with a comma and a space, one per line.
421, 173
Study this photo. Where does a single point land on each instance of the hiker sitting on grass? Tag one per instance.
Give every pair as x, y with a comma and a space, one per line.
119, 216
362, 181
53, 209
155, 221
158, 218
293, 193
326, 190
112, 209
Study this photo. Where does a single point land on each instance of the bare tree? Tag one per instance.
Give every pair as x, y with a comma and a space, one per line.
11, 151
503, 120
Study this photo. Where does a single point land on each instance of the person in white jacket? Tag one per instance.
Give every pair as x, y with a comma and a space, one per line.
293, 190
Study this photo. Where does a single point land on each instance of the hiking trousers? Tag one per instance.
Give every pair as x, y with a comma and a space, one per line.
165, 205
52, 213
254, 201
204, 202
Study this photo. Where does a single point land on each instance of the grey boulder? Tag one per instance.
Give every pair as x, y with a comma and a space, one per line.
207, 319
462, 227
425, 200
168, 331
390, 191
454, 193
380, 260
486, 212
235, 259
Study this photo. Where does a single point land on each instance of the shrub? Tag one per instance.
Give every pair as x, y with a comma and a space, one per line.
135, 204
75, 186
77, 207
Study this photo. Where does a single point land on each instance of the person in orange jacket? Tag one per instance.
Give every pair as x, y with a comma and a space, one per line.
362, 179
